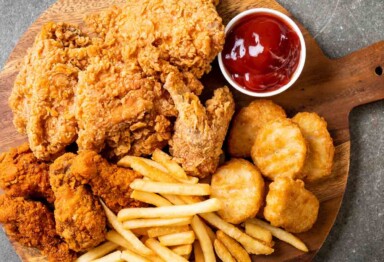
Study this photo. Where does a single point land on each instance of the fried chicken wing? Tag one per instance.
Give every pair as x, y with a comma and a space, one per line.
107, 181
80, 219
199, 131
33, 225
42, 99
23, 175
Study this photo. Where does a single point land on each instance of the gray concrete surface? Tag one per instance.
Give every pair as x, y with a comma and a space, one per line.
340, 27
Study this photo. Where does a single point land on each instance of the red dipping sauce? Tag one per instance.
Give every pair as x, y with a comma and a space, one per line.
261, 52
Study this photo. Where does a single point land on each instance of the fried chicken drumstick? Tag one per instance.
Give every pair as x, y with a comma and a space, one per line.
33, 225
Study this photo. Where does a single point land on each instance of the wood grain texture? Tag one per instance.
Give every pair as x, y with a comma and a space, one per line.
330, 87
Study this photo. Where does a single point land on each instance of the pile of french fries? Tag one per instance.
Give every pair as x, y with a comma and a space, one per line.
177, 225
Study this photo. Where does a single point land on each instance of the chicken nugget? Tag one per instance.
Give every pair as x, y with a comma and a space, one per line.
247, 123
290, 206
320, 146
280, 149
240, 187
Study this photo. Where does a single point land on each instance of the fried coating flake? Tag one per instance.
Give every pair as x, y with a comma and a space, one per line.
290, 206
80, 219
247, 123
321, 149
23, 175
240, 187
280, 149
42, 99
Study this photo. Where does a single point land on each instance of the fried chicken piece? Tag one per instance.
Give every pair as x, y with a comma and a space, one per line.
290, 206
199, 131
33, 225
23, 175
42, 98
161, 35
120, 112
107, 181
80, 219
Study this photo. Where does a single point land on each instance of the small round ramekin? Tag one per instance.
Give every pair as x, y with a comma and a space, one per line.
299, 68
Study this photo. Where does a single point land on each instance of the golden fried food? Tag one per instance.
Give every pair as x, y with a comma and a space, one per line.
280, 149
23, 175
32, 224
42, 99
290, 206
240, 187
321, 150
80, 219
247, 123
199, 131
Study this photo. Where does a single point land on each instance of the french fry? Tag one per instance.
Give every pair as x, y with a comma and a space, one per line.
205, 242
198, 252
182, 249
250, 244
210, 232
140, 231
186, 256
113, 257
171, 188
147, 168
116, 238
156, 222
176, 200
139, 247
165, 253
173, 167
183, 238
281, 234
258, 232
192, 199
236, 250
206, 206
166, 230
130, 256
97, 252
150, 198
222, 252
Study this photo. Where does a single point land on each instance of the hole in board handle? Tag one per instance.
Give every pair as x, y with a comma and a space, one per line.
379, 70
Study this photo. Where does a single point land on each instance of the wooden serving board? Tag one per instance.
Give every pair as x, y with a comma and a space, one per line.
329, 87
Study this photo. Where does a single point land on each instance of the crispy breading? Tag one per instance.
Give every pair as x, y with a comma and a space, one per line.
33, 225
321, 150
199, 131
280, 149
240, 187
80, 219
247, 123
290, 205
42, 99
23, 175
107, 181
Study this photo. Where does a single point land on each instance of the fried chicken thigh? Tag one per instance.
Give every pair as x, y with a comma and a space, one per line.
23, 175
42, 99
80, 219
32, 224
199, 131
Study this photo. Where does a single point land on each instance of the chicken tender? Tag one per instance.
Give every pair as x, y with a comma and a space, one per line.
106, 180
247, 123
80, 219
42, 99
280, 150
199, 131
240, 187
290, 206
23, 175
321, 149
32, 224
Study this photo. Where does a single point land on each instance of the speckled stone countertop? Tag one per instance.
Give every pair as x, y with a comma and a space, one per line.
340, 27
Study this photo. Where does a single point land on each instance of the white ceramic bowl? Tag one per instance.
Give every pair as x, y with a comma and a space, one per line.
299, 68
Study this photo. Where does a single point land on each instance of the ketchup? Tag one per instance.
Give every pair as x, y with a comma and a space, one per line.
261, 52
